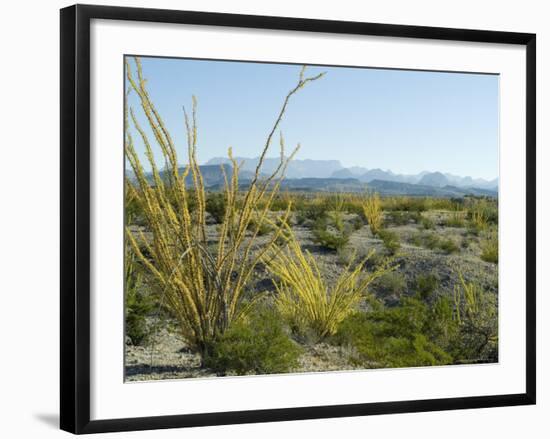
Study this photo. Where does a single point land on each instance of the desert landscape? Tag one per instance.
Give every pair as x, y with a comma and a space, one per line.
263, 265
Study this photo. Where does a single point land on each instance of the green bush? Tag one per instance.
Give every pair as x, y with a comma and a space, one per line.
417, 333
138, 302
394, 337
377, 259
263, 229
310, 212
407, 204
330, 239
259, 346
432, 241
357, 222
331, 232
400, 218
215, 206
426, 284
390, 240
392, 283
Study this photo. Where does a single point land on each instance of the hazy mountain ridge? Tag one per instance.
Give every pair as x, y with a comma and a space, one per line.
296, 168
342, 179
333, 169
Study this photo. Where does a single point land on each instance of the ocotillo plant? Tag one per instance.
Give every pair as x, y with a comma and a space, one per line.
203, 287
305, 298
372, 209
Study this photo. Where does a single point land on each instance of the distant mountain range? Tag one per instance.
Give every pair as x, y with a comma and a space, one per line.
296, 169
331, 176
334, 169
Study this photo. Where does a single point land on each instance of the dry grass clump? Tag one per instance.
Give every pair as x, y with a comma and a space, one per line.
475, 313
202, 286
372, 209
427, 223
306, 300
489, 247
455, 219
479, 220
483, 213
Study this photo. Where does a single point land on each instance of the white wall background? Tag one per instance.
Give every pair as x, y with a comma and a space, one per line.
29, 248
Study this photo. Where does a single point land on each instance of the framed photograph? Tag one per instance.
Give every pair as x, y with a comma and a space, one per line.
273, 218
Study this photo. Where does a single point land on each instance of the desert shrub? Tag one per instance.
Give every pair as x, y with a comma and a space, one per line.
372, 209
138, 301
330, 239
399, 218
310, 212
305, 299
416, 333
475, 313
376, 260
479, 220
281, 202
427, 223
448, 246
455, 219
331, 231
345, 255
215, 206
390, 240
432, 241
426, 284
442, 329
139, 304
356, 222
482, 213
262, 227
258, 344
407, 204
354, 204
445, 203
394, 337
425, 239
335, 202
489, 248
203, 286
391, 284
483, 209
349, 254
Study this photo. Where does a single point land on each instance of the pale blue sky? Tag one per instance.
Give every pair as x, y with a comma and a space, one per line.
406, 121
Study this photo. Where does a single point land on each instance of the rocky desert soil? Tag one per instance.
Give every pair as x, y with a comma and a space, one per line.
167, 356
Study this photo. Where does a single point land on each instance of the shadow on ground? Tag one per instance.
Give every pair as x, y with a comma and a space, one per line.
49, 419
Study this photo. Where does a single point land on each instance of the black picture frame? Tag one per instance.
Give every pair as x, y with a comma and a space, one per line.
75, 217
